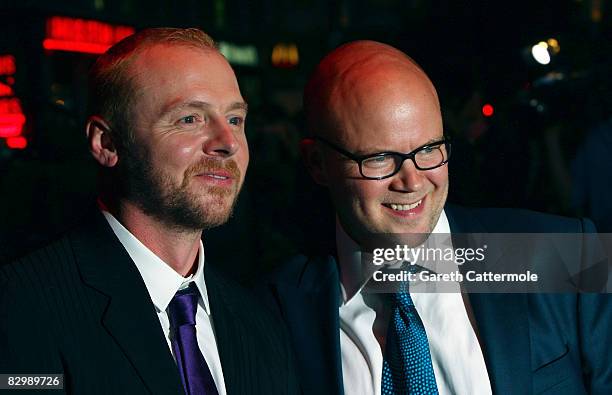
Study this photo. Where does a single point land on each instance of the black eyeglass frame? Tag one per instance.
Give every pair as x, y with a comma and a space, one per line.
411, 155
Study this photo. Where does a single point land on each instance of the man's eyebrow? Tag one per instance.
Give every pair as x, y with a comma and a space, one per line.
199, 104
173, 106
373, 151
433, 140
239, 105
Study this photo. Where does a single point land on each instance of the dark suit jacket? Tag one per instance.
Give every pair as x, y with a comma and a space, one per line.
532, 343
79, 307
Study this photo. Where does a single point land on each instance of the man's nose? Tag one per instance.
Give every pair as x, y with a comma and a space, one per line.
222, 141
408, 179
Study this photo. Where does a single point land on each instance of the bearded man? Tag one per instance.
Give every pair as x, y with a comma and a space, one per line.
124, 303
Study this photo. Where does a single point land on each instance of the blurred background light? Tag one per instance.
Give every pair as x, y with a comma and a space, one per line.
487, 110
540, 53
553, 44
285, 55
243, 55
7, 64
18, 142
11, 125
6, 90
82, 35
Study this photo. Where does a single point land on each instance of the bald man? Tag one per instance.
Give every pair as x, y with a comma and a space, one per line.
378, 147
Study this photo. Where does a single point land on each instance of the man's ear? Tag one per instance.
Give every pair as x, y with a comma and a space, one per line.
313, 159
100, 141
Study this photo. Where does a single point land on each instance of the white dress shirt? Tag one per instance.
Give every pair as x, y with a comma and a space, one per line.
163, 282
457, 359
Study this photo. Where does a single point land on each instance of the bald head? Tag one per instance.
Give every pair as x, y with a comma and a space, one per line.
367, 99
356, 72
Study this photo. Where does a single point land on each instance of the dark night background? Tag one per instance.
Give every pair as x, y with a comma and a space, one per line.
475, 52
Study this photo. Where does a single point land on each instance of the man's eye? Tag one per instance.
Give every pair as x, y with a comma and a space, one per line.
189, 119
236, 121
379, 161
427, 150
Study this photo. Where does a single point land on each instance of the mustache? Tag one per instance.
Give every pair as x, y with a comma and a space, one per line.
211, 165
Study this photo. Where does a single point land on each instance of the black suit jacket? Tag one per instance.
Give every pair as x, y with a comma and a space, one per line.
532, 343
79, 307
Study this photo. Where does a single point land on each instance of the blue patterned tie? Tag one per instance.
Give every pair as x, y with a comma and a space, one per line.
407, 367
194, 372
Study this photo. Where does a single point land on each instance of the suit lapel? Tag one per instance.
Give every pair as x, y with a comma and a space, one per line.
501, 319
128, 314
234, 349
504, 332
310, 308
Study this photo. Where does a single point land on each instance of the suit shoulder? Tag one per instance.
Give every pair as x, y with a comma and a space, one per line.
244, 303
240, 298
31, 286
304, 271
512, 220
40, 268
289, 271
38, 284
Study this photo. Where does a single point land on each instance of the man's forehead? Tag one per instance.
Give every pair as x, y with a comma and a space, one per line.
370, 97
360, 74
380, 75
359, 59
164, 64
157, 56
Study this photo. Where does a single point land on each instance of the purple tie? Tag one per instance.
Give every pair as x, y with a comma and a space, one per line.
192, 366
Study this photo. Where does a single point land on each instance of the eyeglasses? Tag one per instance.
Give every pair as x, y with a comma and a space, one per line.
386, 164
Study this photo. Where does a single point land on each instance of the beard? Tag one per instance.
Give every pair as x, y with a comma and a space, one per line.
173, 204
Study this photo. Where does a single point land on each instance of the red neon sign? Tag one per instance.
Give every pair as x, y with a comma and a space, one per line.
7, 68
11, 117
6, 90
7, 65
18, 142
82, 35
10, 106
11, 125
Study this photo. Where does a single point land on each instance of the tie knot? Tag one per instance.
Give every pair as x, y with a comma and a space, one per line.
402, 296
183, 306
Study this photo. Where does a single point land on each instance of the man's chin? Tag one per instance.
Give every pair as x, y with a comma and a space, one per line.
420, 225
194, 215
216, 212
214, 219
407, 233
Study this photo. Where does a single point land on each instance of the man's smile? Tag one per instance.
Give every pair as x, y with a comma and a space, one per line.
406, 209
220, 177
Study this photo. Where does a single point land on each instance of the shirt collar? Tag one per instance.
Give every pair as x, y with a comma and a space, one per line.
353, 274
161, 280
